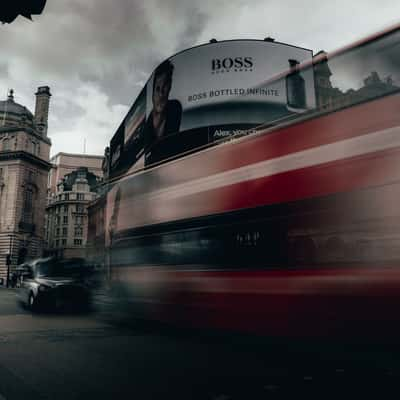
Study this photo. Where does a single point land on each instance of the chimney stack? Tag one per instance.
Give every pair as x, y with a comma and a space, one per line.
42, 109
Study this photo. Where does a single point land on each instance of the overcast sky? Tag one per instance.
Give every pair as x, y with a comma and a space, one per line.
97, 54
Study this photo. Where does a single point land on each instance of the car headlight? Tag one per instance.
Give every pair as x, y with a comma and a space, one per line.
43, 288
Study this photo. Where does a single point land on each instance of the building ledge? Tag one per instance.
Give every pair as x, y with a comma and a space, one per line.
23, 155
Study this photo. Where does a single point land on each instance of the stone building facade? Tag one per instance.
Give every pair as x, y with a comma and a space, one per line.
24, 166
65, 163
67, 214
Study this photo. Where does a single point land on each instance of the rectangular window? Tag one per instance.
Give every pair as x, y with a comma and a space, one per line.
27, 211
65, 219
78, 231
28, 200
58, 231
78, 219
81, 196
57, 243
65, 208
65, 231
78, 242
80, 208
66, 196
64, 242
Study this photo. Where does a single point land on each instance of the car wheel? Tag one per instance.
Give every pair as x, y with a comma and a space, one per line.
32, 301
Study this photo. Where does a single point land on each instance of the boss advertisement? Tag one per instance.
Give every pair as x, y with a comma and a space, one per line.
211, 92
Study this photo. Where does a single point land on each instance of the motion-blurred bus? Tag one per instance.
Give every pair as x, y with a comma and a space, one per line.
286, 226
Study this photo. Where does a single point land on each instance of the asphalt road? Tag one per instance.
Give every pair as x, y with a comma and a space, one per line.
83, 356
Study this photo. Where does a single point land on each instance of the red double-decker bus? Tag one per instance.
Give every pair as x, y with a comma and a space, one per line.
289, 227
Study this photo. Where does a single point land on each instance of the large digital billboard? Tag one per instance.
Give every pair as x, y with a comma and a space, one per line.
208, 93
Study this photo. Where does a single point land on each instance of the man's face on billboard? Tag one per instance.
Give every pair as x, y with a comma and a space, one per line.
161, 89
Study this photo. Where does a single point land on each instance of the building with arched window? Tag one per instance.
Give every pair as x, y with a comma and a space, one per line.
67, 213
24, 166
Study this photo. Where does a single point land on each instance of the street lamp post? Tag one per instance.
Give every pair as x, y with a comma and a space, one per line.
8, 261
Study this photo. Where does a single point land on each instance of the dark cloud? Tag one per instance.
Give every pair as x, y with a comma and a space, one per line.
99, 39
68, 109
192, 30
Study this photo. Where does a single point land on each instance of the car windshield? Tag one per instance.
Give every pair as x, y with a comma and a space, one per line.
56, 268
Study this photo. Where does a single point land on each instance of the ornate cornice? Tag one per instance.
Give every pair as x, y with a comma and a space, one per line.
55, 203
24, 156
61, 153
